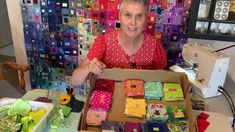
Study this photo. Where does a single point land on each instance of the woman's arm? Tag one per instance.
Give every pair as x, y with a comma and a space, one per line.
80, 74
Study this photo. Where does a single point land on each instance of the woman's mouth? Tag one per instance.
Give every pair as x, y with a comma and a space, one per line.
132, 29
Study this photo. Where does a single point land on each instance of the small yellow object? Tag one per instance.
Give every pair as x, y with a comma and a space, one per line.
37, 115
65, 99
156, 129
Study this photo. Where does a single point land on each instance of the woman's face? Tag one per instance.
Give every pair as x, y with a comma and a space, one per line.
132, 18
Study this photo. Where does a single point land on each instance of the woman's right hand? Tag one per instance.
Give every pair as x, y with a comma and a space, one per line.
96, 66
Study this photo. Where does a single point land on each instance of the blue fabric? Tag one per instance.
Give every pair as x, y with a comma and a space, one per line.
158, 126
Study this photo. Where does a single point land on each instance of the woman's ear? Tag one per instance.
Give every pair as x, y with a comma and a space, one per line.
117, 24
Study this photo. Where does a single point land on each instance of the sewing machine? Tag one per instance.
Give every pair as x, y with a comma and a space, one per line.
205, 69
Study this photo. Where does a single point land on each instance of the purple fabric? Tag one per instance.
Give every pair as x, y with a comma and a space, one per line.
132, 127
111, 125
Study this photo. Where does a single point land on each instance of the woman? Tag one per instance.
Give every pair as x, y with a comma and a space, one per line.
128, 47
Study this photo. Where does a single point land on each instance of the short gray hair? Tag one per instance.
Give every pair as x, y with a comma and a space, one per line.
143, 2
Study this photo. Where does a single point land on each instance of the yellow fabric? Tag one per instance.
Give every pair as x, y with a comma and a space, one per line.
135, 107
37, 115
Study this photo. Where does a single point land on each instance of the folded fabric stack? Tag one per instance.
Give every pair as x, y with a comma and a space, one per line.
105, 85
95, 117
132, 127
111, 125
99, 106
176, 113
156, 126
156, 112
100, 102
153, 90
173, 92
134, 88
135, 107
177, 127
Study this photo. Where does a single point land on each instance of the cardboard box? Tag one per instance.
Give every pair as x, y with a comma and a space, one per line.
116, 112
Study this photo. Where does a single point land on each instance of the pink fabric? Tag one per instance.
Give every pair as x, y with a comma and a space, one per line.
100, 100
95, 117
106, 48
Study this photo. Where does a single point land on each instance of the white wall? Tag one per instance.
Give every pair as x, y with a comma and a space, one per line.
16, 25
8, 50
218, 45
5, 32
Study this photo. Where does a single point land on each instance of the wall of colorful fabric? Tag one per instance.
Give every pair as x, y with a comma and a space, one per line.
59, 33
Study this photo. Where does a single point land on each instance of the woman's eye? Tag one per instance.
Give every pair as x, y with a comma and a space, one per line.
128, 15
140, 16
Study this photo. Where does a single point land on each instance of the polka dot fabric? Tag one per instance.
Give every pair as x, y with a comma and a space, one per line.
95, 117
151, 54
100, 100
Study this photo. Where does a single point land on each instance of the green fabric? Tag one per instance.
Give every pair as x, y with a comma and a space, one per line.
66, 110
27, 123
176, 113
72, 120
173, 92
21, 107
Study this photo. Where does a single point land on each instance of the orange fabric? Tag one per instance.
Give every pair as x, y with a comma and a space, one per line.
134, 87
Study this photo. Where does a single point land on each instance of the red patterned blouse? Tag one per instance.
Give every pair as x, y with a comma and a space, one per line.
150, 55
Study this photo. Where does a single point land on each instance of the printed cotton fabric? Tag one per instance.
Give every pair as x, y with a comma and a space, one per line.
134, 87
95, 117
153, 90
135, 107
100, 100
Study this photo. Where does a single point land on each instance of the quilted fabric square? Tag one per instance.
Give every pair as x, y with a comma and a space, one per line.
95, 117
105, 85
156, 112
135, 108
156, 126
111, 125
100, 100
177, 127
132, 127
153, 90
134, 87
173, 92
176, 113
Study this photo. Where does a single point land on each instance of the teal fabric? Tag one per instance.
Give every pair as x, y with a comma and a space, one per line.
153, 90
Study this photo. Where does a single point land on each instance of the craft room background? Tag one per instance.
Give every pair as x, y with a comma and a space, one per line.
58, 33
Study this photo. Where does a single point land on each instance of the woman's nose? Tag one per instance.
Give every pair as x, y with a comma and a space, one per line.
133, 21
